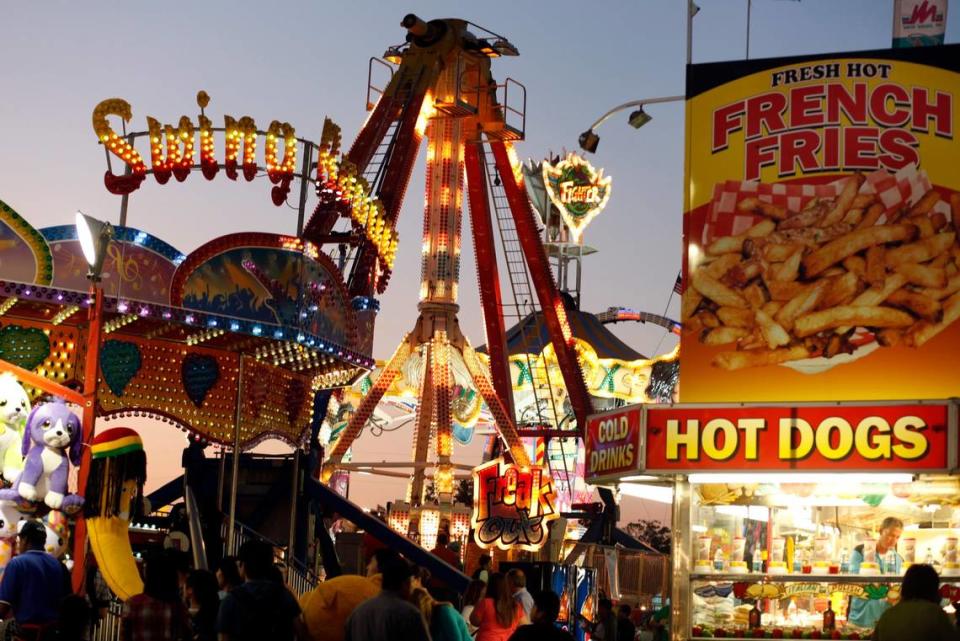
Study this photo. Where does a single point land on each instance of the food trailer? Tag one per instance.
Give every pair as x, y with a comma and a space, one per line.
777, 508
821, 293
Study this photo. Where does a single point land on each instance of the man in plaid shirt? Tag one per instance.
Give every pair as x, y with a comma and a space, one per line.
157, 614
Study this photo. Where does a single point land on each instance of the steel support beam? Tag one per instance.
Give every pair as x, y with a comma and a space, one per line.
548, 295
488, 275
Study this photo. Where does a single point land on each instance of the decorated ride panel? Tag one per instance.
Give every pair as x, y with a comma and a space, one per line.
139, 267
53, 351
24, 254
268, 278
196, 389
635, 381
173, 363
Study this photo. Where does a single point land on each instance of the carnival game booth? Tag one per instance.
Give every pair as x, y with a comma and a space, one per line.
790, 520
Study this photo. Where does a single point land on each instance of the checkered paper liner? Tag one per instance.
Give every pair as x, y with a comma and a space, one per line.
905, 187
895, 190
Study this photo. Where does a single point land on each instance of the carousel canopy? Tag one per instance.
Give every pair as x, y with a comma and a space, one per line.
530, 336
177, 326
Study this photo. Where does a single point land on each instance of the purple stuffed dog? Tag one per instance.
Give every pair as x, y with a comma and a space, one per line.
51, 431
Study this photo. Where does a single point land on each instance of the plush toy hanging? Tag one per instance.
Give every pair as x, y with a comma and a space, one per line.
118, 470
114, 495
14, 409
51, 442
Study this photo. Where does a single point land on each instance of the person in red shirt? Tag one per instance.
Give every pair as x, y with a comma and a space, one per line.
443, 551
497, 615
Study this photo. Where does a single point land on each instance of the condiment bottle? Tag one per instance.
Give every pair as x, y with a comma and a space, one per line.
844, 562
757, 560
754, 617
829, 618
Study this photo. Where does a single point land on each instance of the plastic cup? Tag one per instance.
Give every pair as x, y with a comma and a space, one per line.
870, 551
909, 550
950, 554
777, 549
704, 544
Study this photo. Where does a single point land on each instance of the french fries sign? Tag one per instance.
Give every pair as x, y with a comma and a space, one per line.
804, 439
822, 259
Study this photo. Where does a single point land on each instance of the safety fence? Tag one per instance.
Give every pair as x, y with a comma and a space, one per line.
299, 579
643, 577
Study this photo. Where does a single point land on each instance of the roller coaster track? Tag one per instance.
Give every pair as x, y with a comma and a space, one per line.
625, 314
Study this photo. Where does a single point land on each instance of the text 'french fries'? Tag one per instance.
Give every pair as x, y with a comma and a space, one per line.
822, 281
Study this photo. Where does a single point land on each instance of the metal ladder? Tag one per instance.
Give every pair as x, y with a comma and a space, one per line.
523, 298
378, 161
521, 289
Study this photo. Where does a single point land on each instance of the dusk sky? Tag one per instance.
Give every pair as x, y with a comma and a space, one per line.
299, 62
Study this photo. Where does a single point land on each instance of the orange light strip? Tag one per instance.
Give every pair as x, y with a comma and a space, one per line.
117, 145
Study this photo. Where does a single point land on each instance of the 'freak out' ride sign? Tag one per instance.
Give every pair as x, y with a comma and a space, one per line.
806, 438
511, 506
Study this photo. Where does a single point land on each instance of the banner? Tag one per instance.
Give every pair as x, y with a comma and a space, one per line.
612, 443
820, 231
833, 438
919, 23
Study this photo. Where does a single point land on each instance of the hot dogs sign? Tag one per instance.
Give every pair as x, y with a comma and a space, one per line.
821, 228
771, 438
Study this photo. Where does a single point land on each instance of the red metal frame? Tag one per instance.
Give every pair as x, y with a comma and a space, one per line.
91, 369
488, 275
395, 180
87, 400
547, 293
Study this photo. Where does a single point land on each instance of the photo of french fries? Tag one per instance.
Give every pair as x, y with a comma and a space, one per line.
821, 282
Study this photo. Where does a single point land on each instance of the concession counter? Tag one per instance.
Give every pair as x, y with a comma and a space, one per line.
790, 520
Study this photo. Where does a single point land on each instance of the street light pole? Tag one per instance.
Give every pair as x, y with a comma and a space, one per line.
589, 139
634, 103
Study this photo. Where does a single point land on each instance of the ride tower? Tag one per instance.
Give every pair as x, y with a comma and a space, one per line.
444, 90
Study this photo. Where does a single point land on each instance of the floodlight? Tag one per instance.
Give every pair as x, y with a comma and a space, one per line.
639, 118
589, 141
393, 55
94, 236
505, 48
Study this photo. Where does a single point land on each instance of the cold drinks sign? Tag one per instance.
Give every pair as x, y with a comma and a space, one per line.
613, 443
805, 438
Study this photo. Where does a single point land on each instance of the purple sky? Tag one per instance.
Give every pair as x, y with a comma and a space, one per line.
302, 61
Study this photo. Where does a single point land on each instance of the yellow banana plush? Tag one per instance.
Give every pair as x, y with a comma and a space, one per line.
114, 494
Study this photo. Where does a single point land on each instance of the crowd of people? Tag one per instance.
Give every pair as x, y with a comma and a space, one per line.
409, 604
246, 599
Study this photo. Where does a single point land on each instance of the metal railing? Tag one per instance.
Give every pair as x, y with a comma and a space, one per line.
641, 576
299, 578
108, 629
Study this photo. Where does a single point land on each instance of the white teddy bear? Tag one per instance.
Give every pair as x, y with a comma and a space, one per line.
14, 409
10, 518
